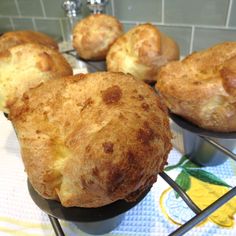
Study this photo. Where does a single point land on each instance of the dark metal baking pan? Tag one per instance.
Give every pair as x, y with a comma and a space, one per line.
183, 123
205, 147
95, 221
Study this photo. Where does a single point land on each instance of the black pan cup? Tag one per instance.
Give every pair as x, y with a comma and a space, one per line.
93, 65
198, 149
5, 114
96, 221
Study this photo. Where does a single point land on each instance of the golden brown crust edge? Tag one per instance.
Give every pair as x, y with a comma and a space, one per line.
92, 139
201, 88
93, 35
141, 52
14, 38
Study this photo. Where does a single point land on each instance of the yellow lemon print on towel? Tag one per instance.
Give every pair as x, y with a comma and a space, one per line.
203, 188
204, 194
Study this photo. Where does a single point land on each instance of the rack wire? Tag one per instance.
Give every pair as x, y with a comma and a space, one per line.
200, 215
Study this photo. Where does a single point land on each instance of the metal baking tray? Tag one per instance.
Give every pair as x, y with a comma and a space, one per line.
200, 215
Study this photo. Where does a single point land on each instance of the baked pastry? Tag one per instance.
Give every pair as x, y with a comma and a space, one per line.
26, 66
202, 87
13, 38
94, 34
141, 52
93, 138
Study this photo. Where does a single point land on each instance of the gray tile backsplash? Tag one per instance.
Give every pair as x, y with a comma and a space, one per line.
5, 24
194, 24
232, 18
204, 38
51, 27
8, 7
138, 10
181, 34
30, 7
128, 26
53, 8
201, 12
23, 23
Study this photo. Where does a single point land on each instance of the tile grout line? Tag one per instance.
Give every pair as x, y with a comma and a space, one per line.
34, 24
17, 7
192, 38
129, 22
228, 13
221, 27
190, 25
36, 17
214, 26
43, 8
135, 22
12, 23
112, 7
163, 12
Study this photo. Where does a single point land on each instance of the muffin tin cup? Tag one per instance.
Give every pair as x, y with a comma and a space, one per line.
202, 152
92, 65
198, 149
5, 114
100, 227
96, 221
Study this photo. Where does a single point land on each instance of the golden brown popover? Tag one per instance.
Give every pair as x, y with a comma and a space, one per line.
25, 66
94, 34
91, 139
141, 52
13, 38
202, 87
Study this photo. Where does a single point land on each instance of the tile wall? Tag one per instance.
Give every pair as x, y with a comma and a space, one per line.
194, 24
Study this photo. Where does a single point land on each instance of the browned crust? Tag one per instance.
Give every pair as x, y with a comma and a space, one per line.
10, 39
202, 87
86, 151
93, 35
141, 52
228, 75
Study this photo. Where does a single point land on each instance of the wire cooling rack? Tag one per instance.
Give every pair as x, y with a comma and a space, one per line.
200, 215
